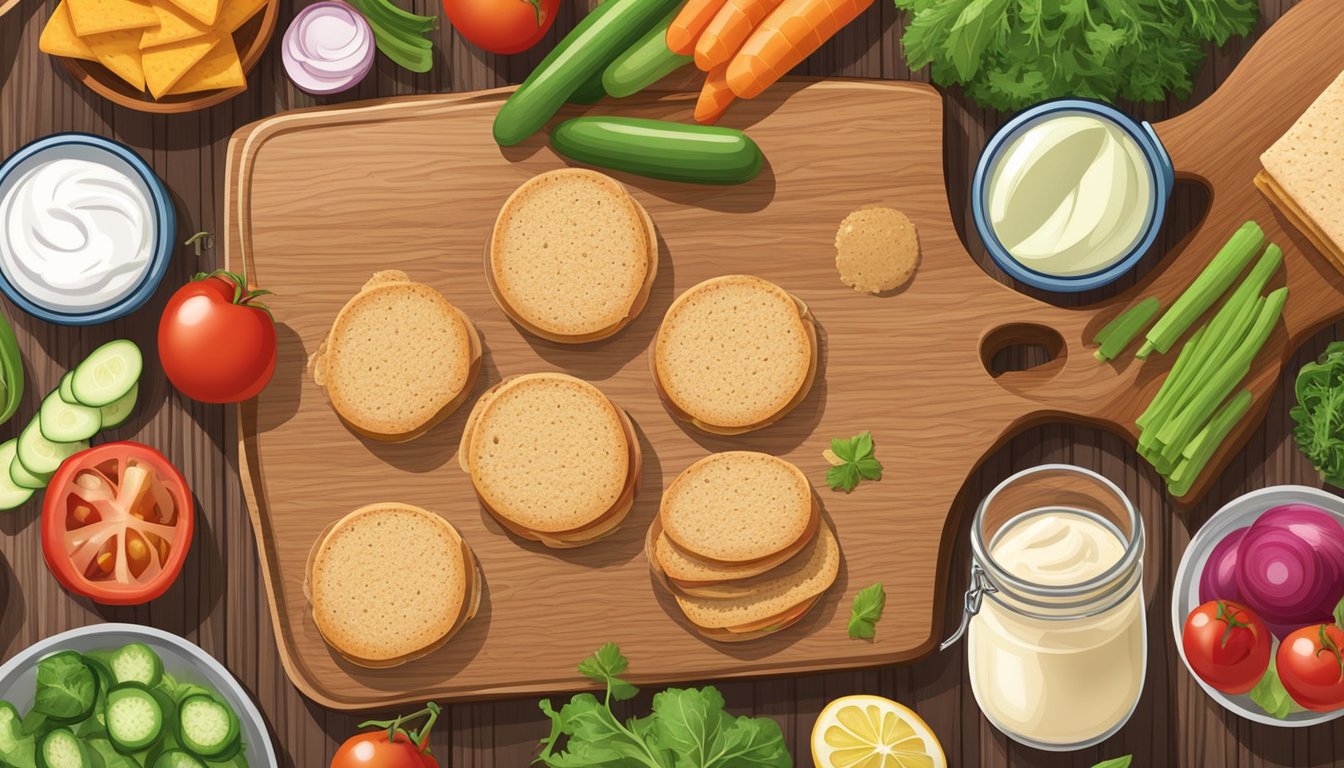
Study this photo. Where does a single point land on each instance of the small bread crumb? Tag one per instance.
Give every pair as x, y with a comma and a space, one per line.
876, 250
832, 458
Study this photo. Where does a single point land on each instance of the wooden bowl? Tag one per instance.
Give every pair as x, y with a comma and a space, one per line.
251, 40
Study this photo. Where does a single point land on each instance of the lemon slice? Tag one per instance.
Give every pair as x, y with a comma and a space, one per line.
873, 732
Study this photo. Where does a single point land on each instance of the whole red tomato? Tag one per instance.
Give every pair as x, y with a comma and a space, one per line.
392, 745
1227, 645
217, 344
1312, 668
502, 26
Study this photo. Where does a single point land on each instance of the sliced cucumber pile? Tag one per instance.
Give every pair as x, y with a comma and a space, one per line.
100, 393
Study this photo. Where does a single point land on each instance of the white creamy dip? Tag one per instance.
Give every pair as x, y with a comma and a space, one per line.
1071, 195
78, 235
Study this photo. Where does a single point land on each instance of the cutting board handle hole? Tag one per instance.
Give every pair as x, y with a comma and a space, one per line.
1018, 347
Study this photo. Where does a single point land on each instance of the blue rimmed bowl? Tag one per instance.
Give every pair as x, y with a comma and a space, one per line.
1161, 178
121, 158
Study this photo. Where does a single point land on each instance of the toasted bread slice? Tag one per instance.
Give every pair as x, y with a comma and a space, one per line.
761, 628
680, 571
398, 360
734, 354
549, 453
776, 600
363, 610
738, 507
572, 256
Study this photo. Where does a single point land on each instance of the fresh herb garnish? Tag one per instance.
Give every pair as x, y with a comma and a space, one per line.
65, 687
852, 461
688, 728
1270, 695
1010, 55
1319, 413
1116, 762
865, 612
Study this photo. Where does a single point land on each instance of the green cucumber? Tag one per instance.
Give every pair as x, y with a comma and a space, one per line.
11, 371
587, 50
107, 373
12, 495
645, 62
701, 154
176, 758
136, 663
134, 717
21, 477
41, 456
66, 391
62, 422
115, 413
591, 92
60, 748
207, 727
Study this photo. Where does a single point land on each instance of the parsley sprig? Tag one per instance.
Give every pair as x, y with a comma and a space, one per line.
853, 461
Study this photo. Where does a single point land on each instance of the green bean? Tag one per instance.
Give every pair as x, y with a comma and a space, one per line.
1117, 334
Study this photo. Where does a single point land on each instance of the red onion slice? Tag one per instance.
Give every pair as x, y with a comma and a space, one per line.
328, 48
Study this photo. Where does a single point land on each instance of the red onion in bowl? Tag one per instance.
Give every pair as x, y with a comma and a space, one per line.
1218, 581
1290, 567
328, 48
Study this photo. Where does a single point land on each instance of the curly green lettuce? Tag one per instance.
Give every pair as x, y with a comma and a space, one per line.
1319, 413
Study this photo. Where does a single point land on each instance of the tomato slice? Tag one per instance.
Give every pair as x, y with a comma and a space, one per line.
117, 522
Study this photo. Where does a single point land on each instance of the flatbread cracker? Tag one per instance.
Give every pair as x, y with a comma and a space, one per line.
94, 17
235, 13
120, 52
166, 64
204, 11
175, 25
876, 250
219, 69
59, 38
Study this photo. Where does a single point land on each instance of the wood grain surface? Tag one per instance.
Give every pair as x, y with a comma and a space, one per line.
220, 603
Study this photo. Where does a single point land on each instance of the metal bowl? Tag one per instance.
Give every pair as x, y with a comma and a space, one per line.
1238, 513
89, 147
184, 660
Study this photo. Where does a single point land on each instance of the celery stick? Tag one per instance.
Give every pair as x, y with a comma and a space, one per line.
1177, 371
1218, 349
1206, 400
1233, 319
1117, 334
1211, 283
1197, 454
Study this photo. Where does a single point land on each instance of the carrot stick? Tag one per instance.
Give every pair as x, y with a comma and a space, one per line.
685, 29
729, 29
787, 36
715, 97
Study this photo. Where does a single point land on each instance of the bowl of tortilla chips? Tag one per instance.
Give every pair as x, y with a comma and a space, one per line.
164, 56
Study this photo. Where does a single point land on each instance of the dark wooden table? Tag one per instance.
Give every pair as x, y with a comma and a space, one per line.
219, 603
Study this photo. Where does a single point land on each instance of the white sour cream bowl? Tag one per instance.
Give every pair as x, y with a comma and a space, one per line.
85, 229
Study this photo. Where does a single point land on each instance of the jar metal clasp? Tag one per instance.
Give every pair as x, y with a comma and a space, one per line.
979, 586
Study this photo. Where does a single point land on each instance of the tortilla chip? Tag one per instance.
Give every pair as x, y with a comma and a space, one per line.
235, 13
174, 26
59, 38
166, 64
220, 68
120, 52
94, 17
204, 11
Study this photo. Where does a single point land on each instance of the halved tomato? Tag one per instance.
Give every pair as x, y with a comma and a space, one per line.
117, 522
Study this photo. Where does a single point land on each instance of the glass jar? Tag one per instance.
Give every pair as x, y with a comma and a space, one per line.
1056, 643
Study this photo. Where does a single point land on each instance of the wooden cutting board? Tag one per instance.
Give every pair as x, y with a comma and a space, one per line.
323, 198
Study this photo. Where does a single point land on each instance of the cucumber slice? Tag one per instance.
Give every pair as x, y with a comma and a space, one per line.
176, 758
107, 374
21, 477
116, 413
137, 663
134, 717
63, 422
12, 494
62, 749
66, 391
207, 727
41, 456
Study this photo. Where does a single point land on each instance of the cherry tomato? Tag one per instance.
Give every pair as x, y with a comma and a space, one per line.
502, 26
216, 344
1312, 668
393, 745
117, 521
1227, 645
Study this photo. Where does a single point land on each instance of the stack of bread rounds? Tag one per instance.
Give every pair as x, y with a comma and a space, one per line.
552, 459
398, 360
377, 616
572, 256
740, 542
734, 354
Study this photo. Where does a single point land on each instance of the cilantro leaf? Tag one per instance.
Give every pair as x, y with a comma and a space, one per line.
857, 462
692, 724
972, 33
1270, 695
1116, 762
605, 666
865, 612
